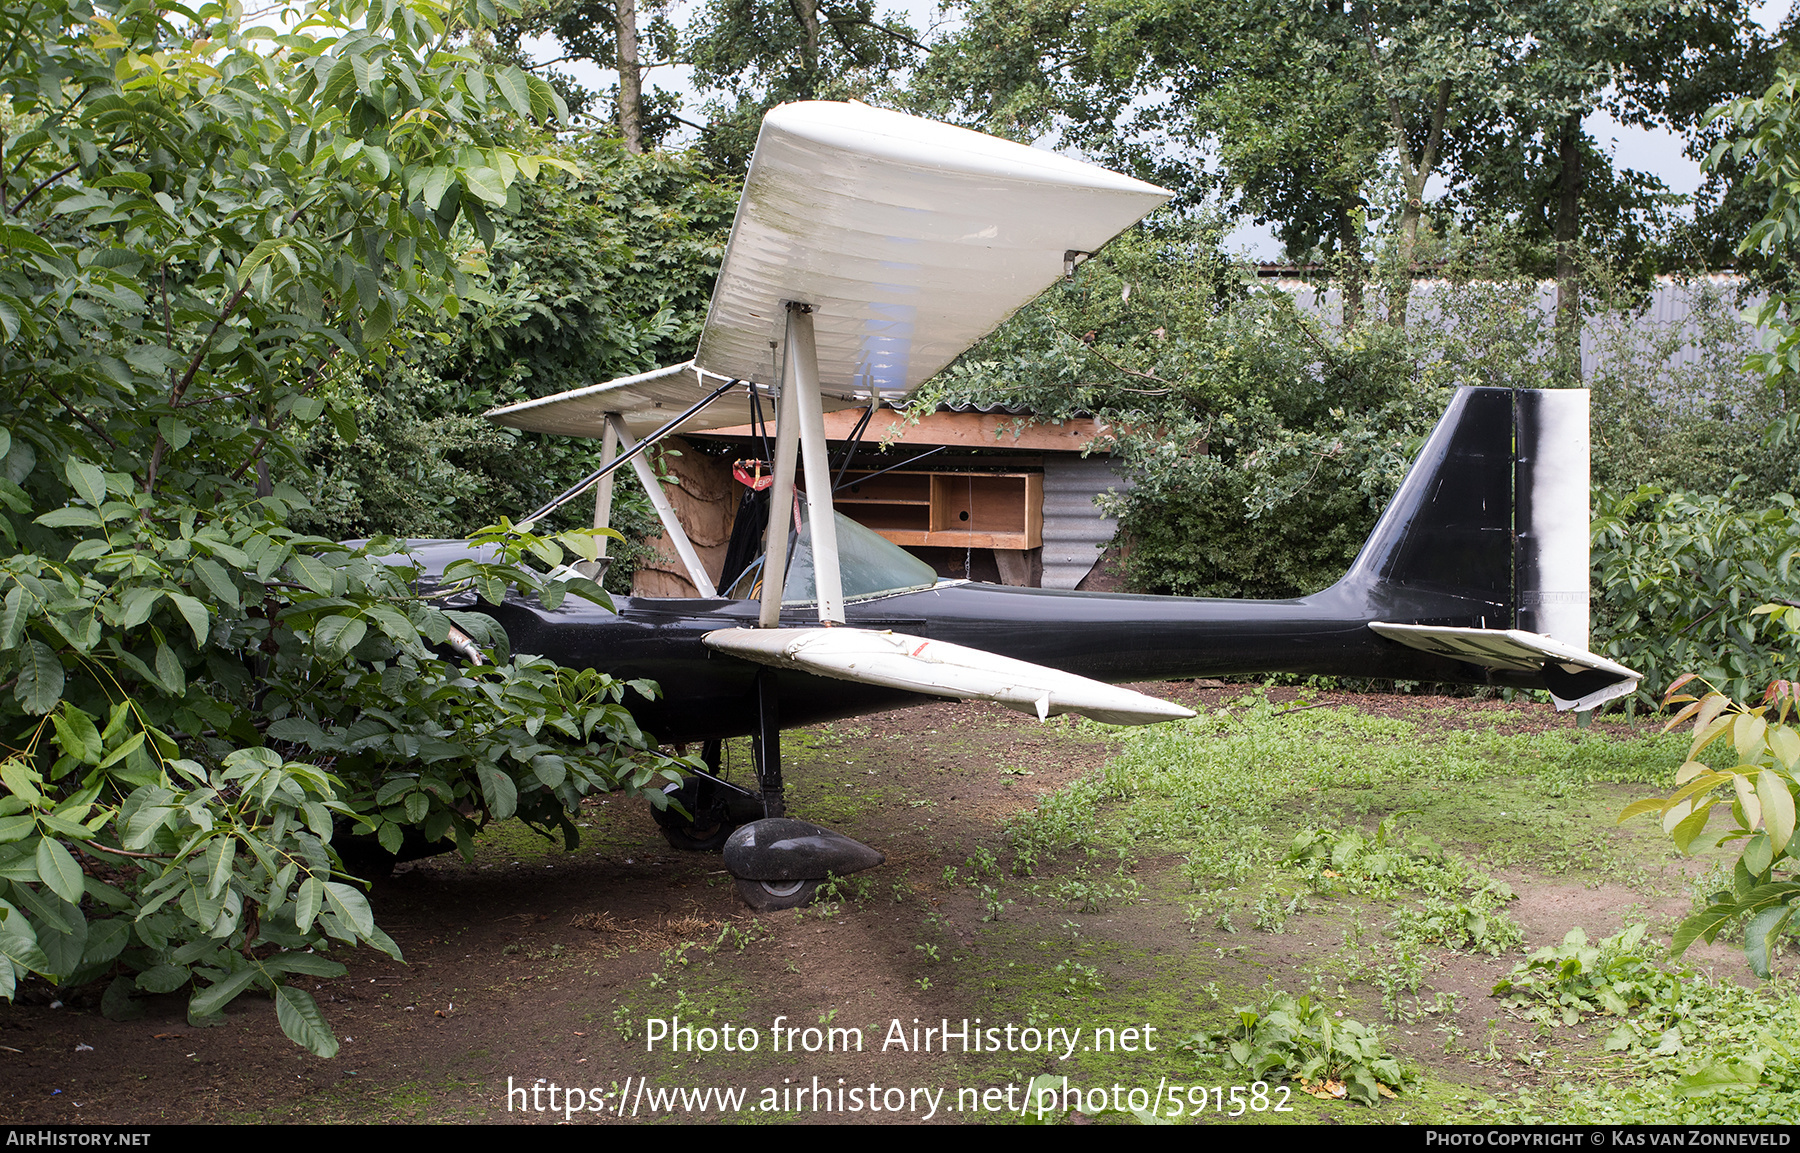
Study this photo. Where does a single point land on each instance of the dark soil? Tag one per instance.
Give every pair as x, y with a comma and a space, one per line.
531, 966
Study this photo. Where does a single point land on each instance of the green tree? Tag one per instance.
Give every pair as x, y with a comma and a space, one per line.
201, 225
755, 54
1319, 120
1327, 119
611, 34
1534, 162
1766, 140
1332, 123
1018, 69
596, 275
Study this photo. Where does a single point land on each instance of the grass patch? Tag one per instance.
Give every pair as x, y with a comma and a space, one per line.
1274, 812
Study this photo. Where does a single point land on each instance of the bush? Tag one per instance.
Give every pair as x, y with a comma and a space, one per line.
1677, 576
596, 275
1763, 792
1330, 1056
202, 223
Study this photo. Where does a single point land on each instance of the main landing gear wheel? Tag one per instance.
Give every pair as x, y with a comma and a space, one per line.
705, 831
365, 858
773, 896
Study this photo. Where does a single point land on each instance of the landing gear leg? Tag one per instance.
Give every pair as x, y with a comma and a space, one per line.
768, 743
779, 863
706, 793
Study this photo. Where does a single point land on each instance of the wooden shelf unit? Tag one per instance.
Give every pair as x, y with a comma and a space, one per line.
948, 509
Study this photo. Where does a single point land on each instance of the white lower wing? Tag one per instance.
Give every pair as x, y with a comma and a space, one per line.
941, 669
1577, 680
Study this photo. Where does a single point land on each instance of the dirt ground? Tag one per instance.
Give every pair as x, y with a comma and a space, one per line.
531, 967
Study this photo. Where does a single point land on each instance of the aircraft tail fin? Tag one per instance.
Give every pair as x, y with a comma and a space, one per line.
1486, 544
1494, 514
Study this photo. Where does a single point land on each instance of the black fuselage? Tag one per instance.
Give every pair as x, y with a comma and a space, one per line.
1453, 548
1115, 638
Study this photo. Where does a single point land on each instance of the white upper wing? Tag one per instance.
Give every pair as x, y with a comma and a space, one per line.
910, 239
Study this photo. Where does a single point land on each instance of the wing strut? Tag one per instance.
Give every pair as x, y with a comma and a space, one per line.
665, 511
609, 463
603, 492
803, 371
800, 423
781, 504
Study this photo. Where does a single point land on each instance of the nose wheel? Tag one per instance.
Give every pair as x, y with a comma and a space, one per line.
781, 863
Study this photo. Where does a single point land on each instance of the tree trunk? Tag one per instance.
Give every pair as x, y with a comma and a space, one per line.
1350, 250
1415, 172
808, 12
1401, 290
1568, 235
631, 92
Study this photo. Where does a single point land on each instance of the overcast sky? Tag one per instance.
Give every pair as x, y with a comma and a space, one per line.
1654, 151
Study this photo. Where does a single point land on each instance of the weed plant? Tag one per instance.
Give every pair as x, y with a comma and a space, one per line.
1575, 979
1303, 1041
1709, 1053
1273, 908
1476, 925
1382, 865
1396, 972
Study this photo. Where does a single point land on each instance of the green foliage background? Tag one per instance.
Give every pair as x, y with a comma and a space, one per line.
597, 275
1264, 439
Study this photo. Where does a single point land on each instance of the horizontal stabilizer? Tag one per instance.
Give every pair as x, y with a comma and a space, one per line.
937, 668
1576, 679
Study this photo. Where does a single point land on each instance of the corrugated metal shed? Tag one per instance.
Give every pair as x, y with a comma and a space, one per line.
1672, 304
1075, 531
